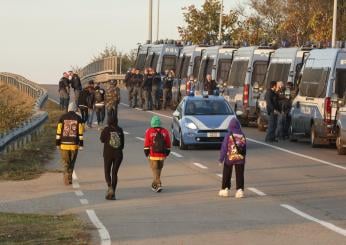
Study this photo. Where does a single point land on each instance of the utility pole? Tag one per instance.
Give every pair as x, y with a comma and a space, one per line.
334, 23
220, 24
158, 20
150, 29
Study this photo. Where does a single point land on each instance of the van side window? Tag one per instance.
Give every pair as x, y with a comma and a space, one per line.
168, 62
238, 73
277, 72
223, 69
140, 62
340, 83
314, 82
196, 65
259, 72
185, 66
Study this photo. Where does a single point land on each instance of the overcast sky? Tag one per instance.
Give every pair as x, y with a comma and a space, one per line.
40, 39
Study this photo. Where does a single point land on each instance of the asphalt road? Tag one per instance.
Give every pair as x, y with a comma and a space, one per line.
294, 194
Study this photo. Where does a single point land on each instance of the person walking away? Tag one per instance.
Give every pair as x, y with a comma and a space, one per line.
157, 145
273, 111
130, 84
75, 84
112, 137
167, 88
91, 103
100, 94
156, 90
137, 91
83, 104
69, 139
232, 154
147, 87
210, 85
282, 116
64, 92
112, 99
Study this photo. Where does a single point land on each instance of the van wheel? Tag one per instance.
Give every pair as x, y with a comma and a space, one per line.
341, 150
175, 142
293, 138
182, 145
314, 140
260, 125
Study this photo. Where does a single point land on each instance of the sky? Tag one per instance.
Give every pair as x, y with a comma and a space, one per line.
40, 39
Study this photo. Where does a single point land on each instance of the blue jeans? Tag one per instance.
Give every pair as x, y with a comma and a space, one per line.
272, 124
90, 117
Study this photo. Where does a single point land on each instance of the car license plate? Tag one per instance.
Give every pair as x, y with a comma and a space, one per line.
213, 134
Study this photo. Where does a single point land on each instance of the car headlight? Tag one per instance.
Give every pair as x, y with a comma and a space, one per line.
190, 125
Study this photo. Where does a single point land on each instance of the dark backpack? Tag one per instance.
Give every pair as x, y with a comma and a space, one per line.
114, 140
98, 96
159, 145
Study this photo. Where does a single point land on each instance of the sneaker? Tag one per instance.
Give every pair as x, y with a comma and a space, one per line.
239, 193
110, 193
153, 187
224, 192
159, 188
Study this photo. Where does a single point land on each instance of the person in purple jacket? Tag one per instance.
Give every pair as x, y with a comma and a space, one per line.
233, 152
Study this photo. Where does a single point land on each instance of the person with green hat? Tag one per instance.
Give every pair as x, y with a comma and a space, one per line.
157, 145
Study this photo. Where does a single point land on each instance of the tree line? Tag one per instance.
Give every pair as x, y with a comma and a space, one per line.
293, 22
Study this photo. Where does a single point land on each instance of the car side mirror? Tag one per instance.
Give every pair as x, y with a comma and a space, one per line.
176, 114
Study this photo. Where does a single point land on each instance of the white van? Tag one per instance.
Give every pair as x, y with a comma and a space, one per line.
313, 110
249, 66
285, 65
142, 54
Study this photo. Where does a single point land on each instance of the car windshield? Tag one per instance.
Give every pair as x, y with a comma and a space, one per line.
207, 107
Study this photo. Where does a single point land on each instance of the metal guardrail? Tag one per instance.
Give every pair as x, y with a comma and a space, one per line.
18, 137
102, 70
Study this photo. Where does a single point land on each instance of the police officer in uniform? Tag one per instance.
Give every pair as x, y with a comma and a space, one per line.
129, 84
137, 90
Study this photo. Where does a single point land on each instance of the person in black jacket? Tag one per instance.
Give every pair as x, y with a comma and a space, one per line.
75, 84
64, 92
113, 138
273, 111
156, 90
210, 85
167, 88
130, 84
83, 104
147, 87
137, 90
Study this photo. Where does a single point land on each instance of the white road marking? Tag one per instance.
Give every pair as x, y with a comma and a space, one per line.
84, 201
159, 114
328, 225
104, 235
258, 192
79, 193
54, 101
176, 154
219, 175
139, 138
124, 104
126, 132
75, 185
199, 165
298, 154
74, 175
138, 109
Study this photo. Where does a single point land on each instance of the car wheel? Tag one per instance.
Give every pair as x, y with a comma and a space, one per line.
182, 145
293, 138
313, 137
175, 142
260, 125
341, 150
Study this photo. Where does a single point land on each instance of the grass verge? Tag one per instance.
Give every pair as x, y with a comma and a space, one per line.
28, 163
32, 229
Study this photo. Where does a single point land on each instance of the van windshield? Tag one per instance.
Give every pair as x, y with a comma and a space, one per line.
238, 73
205, 68
259, 72
340, 83
140, 62
223, 69
277, 72
168, 62
185, 67
196, 64
314, 82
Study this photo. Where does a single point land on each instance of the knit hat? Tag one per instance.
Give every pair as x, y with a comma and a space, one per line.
155, 122
72, 107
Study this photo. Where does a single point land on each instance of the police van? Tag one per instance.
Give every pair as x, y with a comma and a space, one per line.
187, 65
322, 84
142, 54
162, 57
249, 67
285, 65
216, 61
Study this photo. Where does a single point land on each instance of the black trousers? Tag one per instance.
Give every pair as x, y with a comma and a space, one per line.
84, 113
227, 175
111, 167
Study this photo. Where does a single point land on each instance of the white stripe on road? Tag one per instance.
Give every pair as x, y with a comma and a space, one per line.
139, 138
79, 193
104, 235
219, 175
126, 132
258, 192
74, 175
298, 154
159, 114
124, 104
176, 154
54, 101
84, 201
199, 165
75, 185
328, 225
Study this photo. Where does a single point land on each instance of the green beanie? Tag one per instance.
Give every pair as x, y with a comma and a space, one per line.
155, 122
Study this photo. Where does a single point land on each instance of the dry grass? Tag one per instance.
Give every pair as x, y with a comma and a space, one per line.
42, 229
28, 163
15, 107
